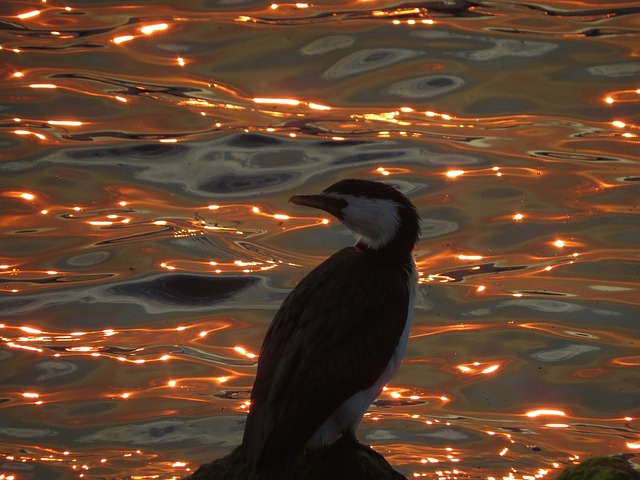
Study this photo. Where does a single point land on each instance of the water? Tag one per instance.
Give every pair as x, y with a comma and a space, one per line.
147, 155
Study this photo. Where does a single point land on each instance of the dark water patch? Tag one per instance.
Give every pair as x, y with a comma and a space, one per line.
327, 44
368, 59
48, 48
343, 143
305, 126
127, 88
60, 278
52, 370
235, 394
501, 106
254, 140
280, 158
183, 289
502, 192
563, 352
15, 207
92, 409
10, 26
36, 33
432, 227
616, 70
587, 32
142, 151
544, 292
244, 183
460, 274
161, 431
14, 304
426, 87
383, 402
96, 136
163, 232
30, 230
262, 252
581, 157
607, 12
209, 357
368, 157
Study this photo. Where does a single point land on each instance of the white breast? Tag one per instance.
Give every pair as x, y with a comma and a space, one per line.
349, 414
375, 222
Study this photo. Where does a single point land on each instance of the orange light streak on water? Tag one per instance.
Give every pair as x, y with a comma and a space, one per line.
277, 101
43, 85
95, 346
243, 351
122, 39
544, 412
623, 96
149, 29
67, 123
31, 14
28, 132
317, 106
479, 368
469, 257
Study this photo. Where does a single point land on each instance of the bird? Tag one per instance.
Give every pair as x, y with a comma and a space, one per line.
340, 334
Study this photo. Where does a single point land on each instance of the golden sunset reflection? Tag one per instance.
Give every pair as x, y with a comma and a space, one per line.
479, 368
94, 344
339, 119
145, 30
454, 173
28, 132
126, 217
147, 239
50, 86
544, 412
81, 463
623, 96
243, 351
462, 462
277, 101
149, 29
30, 14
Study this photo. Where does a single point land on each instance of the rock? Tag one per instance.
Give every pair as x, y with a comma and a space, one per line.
347, 459
601, 468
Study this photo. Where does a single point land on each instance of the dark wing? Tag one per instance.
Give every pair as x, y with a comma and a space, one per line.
332, 337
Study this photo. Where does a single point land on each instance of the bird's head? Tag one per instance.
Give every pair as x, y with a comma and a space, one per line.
381, 217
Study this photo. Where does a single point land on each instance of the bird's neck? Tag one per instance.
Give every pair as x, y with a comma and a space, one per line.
392, 253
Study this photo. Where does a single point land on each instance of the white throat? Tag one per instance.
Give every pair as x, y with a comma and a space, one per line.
374, 222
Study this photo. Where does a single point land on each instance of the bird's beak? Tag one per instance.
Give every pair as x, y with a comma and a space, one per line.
329, 204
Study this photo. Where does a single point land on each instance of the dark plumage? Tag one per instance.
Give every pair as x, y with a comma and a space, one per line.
339, 335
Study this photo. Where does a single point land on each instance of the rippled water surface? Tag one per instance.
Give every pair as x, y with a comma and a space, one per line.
147, 153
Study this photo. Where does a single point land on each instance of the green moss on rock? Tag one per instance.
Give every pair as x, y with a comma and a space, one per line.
601, 468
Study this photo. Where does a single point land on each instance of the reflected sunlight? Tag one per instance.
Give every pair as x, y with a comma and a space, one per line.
147, 240
149, 29
544, 411
479, 368
30, 14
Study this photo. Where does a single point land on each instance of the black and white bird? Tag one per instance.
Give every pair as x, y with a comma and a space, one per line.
339, 336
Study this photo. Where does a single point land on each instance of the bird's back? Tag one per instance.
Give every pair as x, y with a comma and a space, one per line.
332, 337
